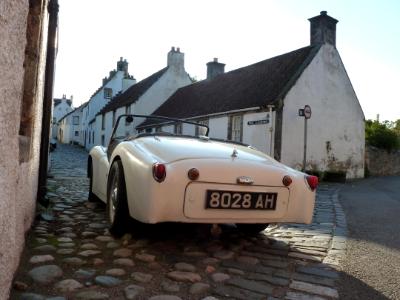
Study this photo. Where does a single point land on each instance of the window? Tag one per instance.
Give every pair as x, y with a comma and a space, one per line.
103, 122
178, 128
54, 120
92, 137
158, 129
235, 131
149, 130
127, 112
76, 133
75, 120
102, 140
108, 93
201, 130
113, 118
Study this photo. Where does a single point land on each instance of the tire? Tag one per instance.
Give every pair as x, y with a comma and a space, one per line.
117, 205
251, 228
91, 197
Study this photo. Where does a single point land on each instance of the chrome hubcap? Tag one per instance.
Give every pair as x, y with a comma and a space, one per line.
113, 202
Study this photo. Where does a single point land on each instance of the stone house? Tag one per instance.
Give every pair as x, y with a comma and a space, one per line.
259, 105
141, 98
27, 52
61, 107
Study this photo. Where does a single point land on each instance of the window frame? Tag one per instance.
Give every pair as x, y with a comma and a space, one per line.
108, 93
74, 118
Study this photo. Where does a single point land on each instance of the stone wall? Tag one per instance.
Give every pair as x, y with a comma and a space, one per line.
22, 64
381, 163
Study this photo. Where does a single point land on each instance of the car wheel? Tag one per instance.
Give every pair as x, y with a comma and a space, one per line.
251, 228
117, 206
91, 197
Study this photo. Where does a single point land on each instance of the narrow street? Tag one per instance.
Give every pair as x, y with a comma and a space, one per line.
72, 256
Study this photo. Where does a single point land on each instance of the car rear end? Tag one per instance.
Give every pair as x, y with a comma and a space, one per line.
233, 187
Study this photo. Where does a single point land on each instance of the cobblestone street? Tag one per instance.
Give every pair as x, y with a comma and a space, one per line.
72, 255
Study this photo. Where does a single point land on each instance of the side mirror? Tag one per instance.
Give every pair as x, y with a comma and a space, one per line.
129, 119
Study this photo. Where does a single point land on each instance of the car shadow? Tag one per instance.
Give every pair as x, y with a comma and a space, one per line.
351, 288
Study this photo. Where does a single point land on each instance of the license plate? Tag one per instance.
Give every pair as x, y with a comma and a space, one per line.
217, 199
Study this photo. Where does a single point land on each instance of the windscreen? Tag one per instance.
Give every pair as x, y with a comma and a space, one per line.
130, 126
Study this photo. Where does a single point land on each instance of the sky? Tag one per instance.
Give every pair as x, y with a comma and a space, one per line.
94, 34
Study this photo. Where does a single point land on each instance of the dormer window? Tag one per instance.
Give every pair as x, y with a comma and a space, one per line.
108, 93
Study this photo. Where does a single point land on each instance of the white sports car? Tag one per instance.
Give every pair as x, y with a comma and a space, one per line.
164, 177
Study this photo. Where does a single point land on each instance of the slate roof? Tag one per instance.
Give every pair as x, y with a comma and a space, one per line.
57, 101
74, 110
256, 85
133, 93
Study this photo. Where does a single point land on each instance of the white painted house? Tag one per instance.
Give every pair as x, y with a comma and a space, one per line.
61, 107
118, 81
143, 97
70, 129
259, 105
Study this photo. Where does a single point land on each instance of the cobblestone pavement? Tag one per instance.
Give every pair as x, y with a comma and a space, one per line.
74, 257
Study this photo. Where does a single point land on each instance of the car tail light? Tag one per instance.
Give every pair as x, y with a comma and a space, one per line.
312, 182
159, 172
193, 174
287, 180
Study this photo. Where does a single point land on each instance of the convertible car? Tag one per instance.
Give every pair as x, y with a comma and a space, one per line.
154, 177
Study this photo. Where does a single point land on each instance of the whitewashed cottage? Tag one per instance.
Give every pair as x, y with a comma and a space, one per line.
70, 129
259, 105
61, 107
143, 97
118, 81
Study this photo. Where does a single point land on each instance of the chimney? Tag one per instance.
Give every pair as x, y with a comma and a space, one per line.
214, 68
323, 29
176, 59
122, 65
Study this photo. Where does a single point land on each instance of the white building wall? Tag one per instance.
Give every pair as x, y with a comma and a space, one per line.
260, 136
97, 101
58, 112
98, 132
85, 126
170, 81
169, 128
118, 83
61, 109
188, 129
108, 126
76, 128
218, 127
336, 129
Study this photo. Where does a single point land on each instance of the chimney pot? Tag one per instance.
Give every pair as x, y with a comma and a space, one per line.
324, 13
215, 59
178, 49
172, 48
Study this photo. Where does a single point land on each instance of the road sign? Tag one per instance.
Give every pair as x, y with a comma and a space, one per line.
258, 122
307, 112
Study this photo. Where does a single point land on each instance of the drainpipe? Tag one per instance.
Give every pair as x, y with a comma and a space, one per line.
48, 98
271, 129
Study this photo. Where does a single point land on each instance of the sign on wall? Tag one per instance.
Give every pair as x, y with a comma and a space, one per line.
258, 122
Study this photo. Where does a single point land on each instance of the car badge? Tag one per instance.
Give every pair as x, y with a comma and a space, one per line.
234, 153
244, 180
